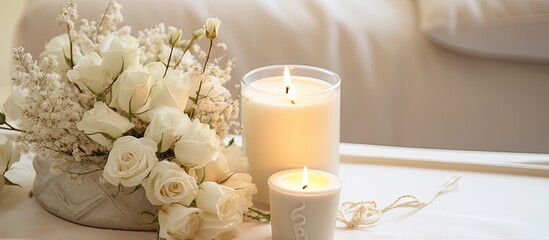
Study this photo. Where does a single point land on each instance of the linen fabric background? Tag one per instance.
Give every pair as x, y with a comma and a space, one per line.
398, 87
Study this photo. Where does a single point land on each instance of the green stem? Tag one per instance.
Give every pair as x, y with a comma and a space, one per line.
169, 59
197, 97
207, 56
10, 127
101, 22
258, 215
184, 51
70, 46
203, 71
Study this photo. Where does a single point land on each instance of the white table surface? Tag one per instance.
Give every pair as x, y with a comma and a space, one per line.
496, 198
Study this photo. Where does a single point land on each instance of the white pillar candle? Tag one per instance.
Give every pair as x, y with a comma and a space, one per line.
289, 123
303, 210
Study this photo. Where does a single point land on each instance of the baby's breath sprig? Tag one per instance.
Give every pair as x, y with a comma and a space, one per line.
211, 27
68, 15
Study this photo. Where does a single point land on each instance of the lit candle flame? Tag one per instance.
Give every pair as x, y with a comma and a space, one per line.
287, 79
291, 93
305, 178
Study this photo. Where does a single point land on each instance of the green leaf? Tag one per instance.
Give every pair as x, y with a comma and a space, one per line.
2, 118
159, 146
122, 68
67, 59
10, 183
193, 99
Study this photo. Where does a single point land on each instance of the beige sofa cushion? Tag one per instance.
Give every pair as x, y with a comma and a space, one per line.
509, 29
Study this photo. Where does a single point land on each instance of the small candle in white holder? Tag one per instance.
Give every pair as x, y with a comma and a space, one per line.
303, 204
290, 118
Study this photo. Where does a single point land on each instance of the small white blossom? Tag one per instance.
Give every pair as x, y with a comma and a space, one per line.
211, 27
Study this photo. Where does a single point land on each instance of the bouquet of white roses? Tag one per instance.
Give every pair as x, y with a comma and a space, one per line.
144, 111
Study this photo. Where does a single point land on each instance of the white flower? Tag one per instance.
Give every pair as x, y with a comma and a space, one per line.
236, 159
172, 91
8, 154
217, 199
103, 125
130, 161
88, 73
15, 101
168, 183
198, 146
175, 37
212, 227
178, 222
166, 126
199, 33
212, 27
132, 90
217, 170
119, 53
59, 46
242, 183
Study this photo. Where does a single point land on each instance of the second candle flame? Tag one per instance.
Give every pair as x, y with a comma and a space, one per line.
287, 79
305, 178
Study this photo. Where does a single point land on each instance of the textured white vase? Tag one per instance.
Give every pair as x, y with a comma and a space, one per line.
90, 202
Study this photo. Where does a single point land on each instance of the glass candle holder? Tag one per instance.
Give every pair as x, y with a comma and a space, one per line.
290, 119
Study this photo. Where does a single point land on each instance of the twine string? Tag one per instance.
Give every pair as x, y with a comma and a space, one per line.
367, 214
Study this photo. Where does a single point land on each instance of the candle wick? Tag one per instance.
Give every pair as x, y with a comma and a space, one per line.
287, 89
305, 186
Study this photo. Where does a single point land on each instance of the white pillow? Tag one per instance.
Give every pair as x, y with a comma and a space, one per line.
508, 29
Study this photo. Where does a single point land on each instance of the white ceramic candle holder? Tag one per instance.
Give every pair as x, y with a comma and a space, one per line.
303, 211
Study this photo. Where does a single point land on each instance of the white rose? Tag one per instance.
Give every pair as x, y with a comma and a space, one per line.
132, 90
59, 46
178, 222
172, 91
218, 200
217, 170
166, 126
119, 53
103, 125
8, 154
212, 227
156, 69
169, 183
236, 159
242, 183
130, 161
88, 73
198, 146
212, 27
15, 101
